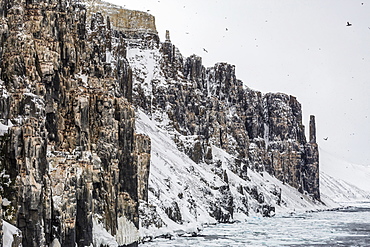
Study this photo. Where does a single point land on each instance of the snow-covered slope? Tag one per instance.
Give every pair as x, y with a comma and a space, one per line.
343, 181
337, 190
182, 193
355, 174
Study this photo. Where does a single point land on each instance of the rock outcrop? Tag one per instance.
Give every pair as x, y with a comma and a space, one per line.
74, 163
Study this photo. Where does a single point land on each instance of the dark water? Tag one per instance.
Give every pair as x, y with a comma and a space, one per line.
343, 227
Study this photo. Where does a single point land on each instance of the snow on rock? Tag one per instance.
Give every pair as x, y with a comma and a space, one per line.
174, 185
12, 236
101, 237
128, 232
3, 129
55, 243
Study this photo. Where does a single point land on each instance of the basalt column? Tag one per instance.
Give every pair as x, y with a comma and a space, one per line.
311, 166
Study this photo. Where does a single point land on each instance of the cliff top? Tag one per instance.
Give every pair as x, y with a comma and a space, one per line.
122, 19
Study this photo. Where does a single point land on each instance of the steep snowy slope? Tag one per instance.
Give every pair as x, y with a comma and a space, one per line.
355, 174
337, 190
183, 194
343, 181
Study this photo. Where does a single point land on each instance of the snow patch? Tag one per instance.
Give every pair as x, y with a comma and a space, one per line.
145, 67
84, 79
101, 237
3, 129
127, 232
6, 202
9, 232
109, 57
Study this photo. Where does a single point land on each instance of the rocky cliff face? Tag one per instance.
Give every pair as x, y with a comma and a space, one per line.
73, 162
74, 76
264, 131
207, 108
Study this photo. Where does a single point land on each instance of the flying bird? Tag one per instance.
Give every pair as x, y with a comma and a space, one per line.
349, 24
326, 138
205, 50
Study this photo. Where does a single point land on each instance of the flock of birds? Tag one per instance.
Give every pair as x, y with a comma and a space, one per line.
348, 25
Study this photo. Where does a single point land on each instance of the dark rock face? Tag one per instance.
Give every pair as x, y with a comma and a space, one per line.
72, 154
311, 185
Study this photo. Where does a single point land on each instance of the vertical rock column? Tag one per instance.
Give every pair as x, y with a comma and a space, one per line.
142, 160
1, 221
29, 151
311, 166
21, 73
312, 129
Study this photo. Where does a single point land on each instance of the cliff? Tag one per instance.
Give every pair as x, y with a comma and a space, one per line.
265, 132
225, 128
69, 150
82, 87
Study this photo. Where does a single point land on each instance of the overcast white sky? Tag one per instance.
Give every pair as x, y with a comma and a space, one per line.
299, 47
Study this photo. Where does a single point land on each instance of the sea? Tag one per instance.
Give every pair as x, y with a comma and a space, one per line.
347, 226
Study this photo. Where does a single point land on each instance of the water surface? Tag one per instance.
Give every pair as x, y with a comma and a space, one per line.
343, 227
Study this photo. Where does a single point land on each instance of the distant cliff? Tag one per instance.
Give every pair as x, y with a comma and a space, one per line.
74, 75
